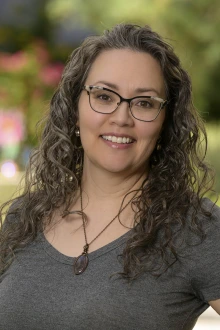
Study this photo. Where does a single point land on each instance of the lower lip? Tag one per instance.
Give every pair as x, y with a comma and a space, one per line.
117, 145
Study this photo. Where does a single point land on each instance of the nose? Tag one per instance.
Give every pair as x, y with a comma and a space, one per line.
122, 115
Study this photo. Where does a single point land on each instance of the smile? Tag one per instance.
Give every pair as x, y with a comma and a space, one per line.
117, 139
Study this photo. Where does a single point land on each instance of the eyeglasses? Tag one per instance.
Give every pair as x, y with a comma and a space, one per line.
106, 101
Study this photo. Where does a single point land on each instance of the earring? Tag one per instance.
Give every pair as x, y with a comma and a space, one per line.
77, 132
158, 145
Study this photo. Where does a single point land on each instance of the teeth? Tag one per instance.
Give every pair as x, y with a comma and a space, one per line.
117, 139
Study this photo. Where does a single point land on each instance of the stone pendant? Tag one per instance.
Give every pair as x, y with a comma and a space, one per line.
81, 264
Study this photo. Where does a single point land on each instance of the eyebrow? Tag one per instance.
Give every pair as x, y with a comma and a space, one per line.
137, 90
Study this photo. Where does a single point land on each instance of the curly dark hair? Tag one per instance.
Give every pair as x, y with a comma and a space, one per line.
178, 177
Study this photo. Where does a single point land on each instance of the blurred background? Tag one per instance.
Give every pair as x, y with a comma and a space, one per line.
36, 37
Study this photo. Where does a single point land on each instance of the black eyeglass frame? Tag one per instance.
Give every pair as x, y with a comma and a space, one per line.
163, 102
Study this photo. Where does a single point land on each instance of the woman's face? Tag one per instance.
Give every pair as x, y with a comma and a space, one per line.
128, 73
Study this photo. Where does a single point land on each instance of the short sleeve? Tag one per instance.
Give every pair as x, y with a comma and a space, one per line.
205, 259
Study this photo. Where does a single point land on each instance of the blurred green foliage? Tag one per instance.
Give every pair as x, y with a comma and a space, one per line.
27, 80
30, 70
9, 186
192, 27
213, 131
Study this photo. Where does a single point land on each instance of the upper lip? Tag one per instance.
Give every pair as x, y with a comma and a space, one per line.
118, 135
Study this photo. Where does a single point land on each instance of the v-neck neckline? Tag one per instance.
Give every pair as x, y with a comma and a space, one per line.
59, 256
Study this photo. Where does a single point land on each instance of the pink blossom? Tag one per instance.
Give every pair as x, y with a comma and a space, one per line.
13, 62
11, 127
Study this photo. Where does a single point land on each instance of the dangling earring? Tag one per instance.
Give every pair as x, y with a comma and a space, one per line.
79, 153
156, 153
78, 144
158, 146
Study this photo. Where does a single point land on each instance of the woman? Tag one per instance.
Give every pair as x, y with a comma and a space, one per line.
112, 231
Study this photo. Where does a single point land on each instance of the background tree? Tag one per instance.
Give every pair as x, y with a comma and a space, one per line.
58, 26
192, 27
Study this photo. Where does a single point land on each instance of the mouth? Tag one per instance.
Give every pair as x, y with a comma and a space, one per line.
118, 139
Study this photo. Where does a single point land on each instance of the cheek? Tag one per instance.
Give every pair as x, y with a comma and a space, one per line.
89, 122
150, 132
88, 119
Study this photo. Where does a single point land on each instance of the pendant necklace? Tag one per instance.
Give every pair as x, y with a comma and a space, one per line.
82, 260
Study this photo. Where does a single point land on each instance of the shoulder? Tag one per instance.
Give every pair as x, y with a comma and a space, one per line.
201, 236
203, 253
199, 239
211, 207
210, 217
12, 216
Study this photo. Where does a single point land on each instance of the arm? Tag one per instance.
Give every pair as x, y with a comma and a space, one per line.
215, 304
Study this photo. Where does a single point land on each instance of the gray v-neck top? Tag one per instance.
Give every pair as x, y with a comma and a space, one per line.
39, 291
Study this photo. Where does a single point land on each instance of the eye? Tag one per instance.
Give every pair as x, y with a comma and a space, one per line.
146, 104
104, 97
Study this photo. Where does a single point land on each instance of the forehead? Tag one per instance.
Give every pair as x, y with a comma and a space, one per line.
128, 69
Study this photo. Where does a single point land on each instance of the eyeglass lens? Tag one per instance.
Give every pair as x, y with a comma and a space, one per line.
106, 102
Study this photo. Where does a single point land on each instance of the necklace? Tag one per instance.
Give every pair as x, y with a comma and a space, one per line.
82, 260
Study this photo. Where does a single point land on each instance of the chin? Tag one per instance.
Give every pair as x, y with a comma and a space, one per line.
119, 169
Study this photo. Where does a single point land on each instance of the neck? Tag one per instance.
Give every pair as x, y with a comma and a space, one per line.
111, 186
